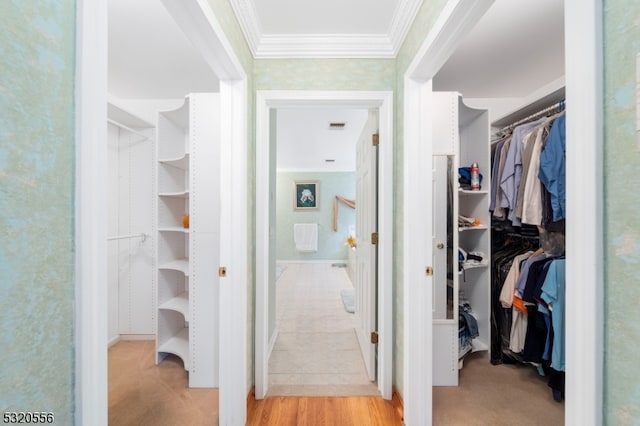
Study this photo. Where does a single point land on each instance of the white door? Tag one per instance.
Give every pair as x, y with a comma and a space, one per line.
440, 246
366, 253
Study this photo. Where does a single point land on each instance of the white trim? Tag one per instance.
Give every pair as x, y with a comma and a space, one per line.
265, 100
455, 21
272, 341
233, 355
90, 214
585, 260
136, 337
198, 22
247, 16
418, 329
323, 261
401, 23
325, 45
113, 341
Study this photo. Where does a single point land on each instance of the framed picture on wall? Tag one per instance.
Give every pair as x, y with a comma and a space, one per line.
305, 194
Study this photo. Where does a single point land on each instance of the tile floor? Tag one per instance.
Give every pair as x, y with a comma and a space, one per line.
316, 352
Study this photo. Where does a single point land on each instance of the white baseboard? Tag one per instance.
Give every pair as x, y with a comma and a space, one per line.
120, 337
113, 341
272, 342
137, 337
314, 261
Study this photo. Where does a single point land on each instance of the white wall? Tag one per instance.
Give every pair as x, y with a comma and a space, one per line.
130, 278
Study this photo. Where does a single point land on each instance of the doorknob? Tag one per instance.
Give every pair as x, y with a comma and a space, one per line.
440, 245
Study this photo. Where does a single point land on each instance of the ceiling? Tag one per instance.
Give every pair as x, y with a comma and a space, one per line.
306, 142
325, 29
515, 49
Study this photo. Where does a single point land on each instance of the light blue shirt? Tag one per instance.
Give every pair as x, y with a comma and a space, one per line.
552, 172
553, 292
512, 174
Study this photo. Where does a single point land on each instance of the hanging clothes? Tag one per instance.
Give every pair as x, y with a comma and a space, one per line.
528, 285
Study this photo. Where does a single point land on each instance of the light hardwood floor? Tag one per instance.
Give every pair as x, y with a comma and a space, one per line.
321, 411
141, 393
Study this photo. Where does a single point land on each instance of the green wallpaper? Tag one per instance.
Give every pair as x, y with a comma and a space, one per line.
229, 23
324, 74
331, 245
36, 200
622, 221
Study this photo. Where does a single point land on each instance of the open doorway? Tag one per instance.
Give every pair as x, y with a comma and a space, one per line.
152, 190
582, 96
267, 103
198, 23
315, 346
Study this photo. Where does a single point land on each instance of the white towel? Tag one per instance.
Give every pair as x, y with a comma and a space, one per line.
305, 236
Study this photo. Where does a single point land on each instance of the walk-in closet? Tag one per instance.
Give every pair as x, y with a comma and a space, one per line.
164, 220
498, 209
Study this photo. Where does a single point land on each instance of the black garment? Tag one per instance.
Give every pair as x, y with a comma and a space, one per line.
506, 244
536, 337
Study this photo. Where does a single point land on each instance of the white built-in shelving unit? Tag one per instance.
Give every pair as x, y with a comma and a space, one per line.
187, 183
461, 137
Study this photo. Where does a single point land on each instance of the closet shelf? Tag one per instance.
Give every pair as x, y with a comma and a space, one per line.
479, 345
177, 194
177, 265
174, 229
180, 303
178, 345
473, 228
471, 192
467, 266
180, 162
464, 351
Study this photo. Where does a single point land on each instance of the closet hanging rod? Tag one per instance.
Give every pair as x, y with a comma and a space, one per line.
558, 106
122, 126
122, 237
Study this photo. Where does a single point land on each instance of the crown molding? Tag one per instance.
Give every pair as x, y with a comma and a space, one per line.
402, 21
264, 46
324, 46
247, 17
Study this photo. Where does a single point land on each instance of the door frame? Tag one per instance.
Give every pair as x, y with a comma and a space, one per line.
585, 315
199, 23
266, 100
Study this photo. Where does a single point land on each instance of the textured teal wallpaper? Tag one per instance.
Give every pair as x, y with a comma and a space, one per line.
331, 245
622, 221
36, 200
